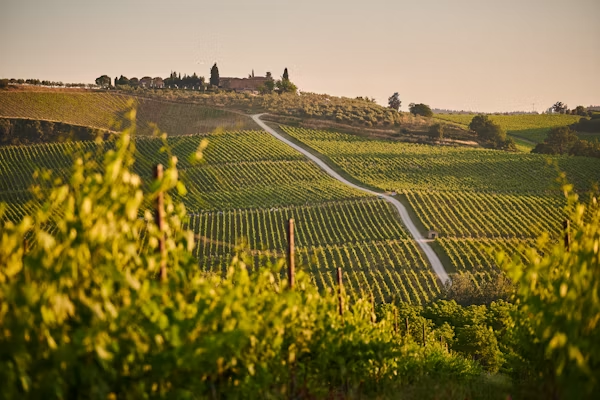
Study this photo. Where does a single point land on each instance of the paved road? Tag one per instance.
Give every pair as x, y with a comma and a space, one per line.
435, 262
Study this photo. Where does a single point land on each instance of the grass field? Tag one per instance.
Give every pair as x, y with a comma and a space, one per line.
478, 200
531, 127
248, 186
104, 110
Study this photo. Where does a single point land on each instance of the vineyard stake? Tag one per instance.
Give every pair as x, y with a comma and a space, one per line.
340, 288
424, 337
373, 317
395, 320
406, 323
567, 229
291, 253
159, 217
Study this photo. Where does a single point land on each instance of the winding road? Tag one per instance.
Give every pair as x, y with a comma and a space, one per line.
435, 262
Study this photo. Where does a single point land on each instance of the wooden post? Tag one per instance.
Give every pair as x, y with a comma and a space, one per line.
395, 320
340, 289
159, 217
424, 337
291, 253
373, 317
567, 230
406, 323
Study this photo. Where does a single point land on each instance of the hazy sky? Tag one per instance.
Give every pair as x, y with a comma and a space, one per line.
465, 54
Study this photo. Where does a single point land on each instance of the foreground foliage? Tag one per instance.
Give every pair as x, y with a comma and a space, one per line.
559, 307
83, 314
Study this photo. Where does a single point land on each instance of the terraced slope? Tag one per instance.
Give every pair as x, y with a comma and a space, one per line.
478, 200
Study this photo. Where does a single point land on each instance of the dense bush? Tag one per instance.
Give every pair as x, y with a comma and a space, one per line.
491, 134
420, 109
563, 140
591, 125
436, 132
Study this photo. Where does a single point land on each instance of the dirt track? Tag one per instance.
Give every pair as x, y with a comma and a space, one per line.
434, 261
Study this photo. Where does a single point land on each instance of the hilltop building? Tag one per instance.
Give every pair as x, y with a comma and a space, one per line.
251, 84
147, 82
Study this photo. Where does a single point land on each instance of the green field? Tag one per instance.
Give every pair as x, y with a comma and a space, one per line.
479, 201
105, 111
531, 127
246, 189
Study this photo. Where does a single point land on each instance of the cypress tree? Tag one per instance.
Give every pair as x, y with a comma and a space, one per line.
214, 75
286, 77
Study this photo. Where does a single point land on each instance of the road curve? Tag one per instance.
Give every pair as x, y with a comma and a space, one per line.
435, 262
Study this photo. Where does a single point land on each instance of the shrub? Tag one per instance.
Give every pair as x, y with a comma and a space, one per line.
436, 132
558, 319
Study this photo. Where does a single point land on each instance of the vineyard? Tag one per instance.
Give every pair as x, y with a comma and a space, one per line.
245, 190
479, 201
532, 127
105, 110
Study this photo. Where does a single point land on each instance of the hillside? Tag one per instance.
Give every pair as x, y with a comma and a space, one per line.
479, 201
248, 186
530, 127
106, 110
312, 108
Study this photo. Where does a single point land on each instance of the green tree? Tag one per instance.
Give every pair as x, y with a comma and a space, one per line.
394, 101
103, 81
558, 141
286, 86
490, 133
268, 86
3, 83
580, 110
214, 75
436, 132
121, 81
420, 109
479, 342
559, 107
286, 76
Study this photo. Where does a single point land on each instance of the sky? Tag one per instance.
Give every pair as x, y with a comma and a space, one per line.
480, 55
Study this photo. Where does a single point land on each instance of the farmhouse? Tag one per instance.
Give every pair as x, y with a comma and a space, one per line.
158, 83
251, 84
145, 82
148, 82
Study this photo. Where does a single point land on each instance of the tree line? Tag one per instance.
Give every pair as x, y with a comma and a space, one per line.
196, 82
37, 82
